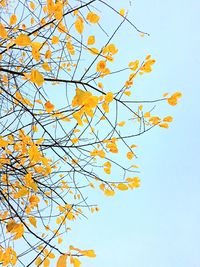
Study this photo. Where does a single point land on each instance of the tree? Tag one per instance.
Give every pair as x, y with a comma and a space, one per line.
62, 126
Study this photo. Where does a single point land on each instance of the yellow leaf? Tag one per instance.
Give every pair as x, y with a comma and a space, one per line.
51, 255
46, 66
38, 261
33, 221
127, 92
121, 124
122, 187
94, 51
18, 230
3, 32
10, 225
36, 45
62, 261
122, 12
58, 10
74, 140
32, 5
21, 193
34, 128
79, 25
134, 65
112, 49
164, 125
34, 200
75, 262
109, 192
130, 155
55, 40
23, 40
88, 253
36, 77
60, 240
168, 119
91, 40
13, 19
165, 94
101, 66
92, 17
147, 114
46, 262
109, 97
48, 54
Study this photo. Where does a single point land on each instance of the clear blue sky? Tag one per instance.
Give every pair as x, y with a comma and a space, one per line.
157, 225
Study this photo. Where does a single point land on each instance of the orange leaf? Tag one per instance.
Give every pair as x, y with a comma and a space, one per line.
49, 106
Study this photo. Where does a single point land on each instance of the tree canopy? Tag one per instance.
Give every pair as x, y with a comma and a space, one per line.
64, 129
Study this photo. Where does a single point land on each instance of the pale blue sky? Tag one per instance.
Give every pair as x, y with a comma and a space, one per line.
157, 225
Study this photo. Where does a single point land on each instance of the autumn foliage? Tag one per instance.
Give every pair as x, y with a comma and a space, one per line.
64, 128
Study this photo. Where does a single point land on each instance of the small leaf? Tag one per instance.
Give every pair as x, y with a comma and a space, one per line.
79, 25
13, 19
62, 261
92, 17
89, 253
91, 40
33, 221
49, 106
130, 155
122, 187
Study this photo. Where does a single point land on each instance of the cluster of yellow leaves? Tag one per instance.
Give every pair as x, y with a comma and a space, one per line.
55, 9
87, 102
147, 66
108, 52
111, 145
74, 260
107, 167
134, 66
8, 256
15, 228
130, 183
155, 120
22, 40
97, 152
174, 98
47, 257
